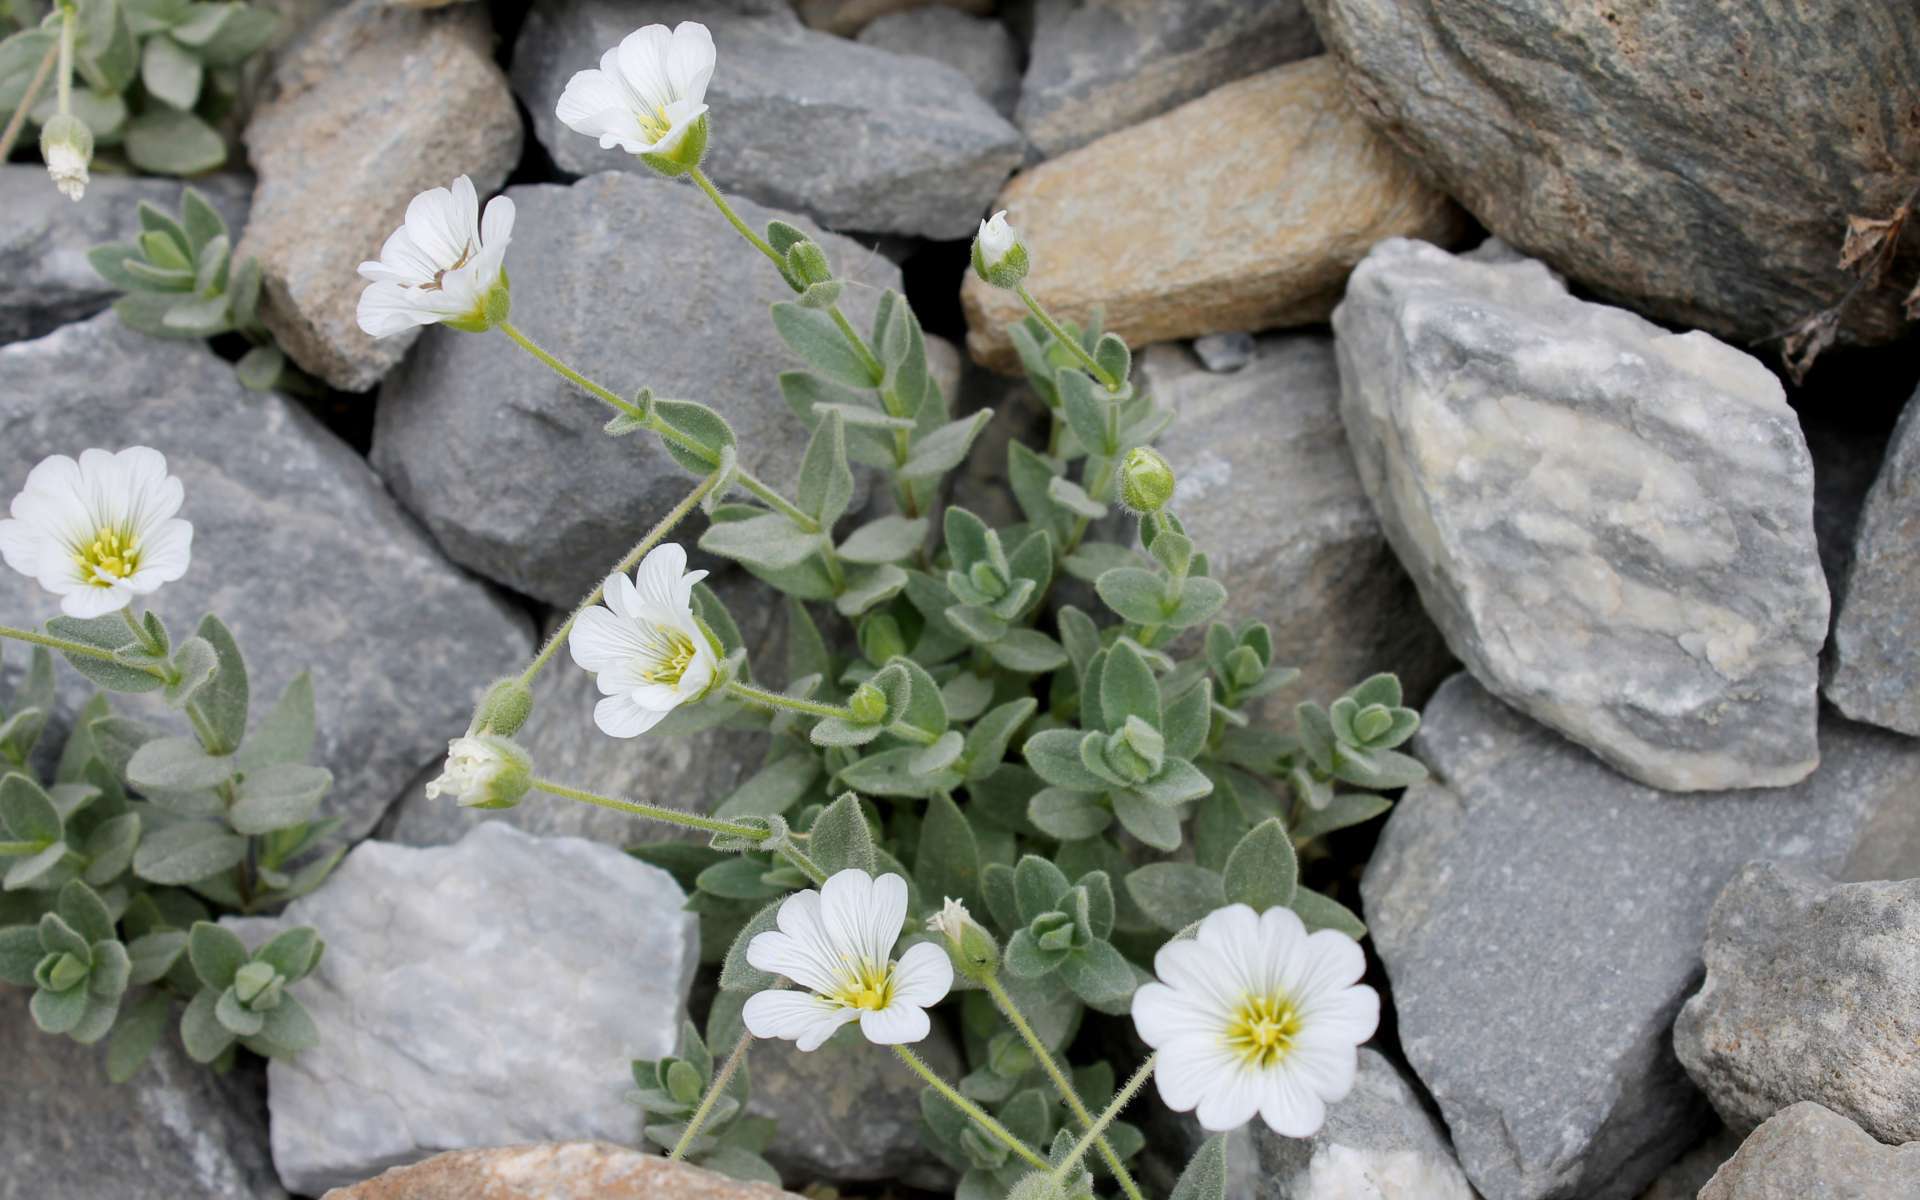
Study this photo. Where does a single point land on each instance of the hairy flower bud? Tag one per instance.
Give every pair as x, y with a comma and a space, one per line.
868, 704
67, 146
974, 952
999, 257
504, 709
1146, 480
485, 771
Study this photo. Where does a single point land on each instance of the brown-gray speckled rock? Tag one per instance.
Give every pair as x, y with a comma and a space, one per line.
1810, 1153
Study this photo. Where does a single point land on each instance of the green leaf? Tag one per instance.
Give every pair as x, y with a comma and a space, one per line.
1086, 406
773, 789
1153, 823
1028, 652
1068, 816
894, 773
246, 30
987, 741
27, 811
1027, 959
1137, 594
1206, 1175
1380, 769
947, 863
1188, 718
111, 967
224, 703
106, 633
58, 1012
840, 839
1054, 754
177, 764
46, 869
217, 953
135, 1035
885, 540
924, 709
286, 734
814, 337
200, 1030
938, 756
1038, 886
703, 434
1174, 895
868, 587
109, 848
1345, 809
153, 955
736, 973
81, 907
195, 663
944, 448
1112, 353
278, 796
770, 541
1382, 689
167, 141
187, 853
1178, 782
738, 878
1323, 912
1200, 599
1128, 688
20, 953
1099, 975
806, 650
1263, 871
260, 368
826, 481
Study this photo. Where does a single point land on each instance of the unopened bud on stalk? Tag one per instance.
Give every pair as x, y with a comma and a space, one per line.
972, 948
868, 704
484, 772
999, 256
1146, 480
67, 146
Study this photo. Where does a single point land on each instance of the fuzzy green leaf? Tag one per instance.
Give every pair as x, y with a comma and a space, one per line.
1323, 912
187, 853
279, 796
1263, 872
840, 839
885, 540
1174, 895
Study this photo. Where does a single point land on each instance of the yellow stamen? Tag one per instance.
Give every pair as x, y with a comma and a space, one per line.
1263, 1028
866, 987
440, 275
110, 557
672, 657
656, 123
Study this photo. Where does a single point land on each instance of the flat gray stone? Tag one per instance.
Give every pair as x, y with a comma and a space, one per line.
1611, 524
1874, 671
507, 464
1377, 1144
1104, 65
1224, 353
175, 1129
45, 278
1540, 919
1812, 993
1696, 159
1810, 1153
295, 545
856, 137
979, 48
484, 993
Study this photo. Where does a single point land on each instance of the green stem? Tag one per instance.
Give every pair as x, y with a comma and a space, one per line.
771, 699
63, 82
1097, 485
799, 858
18, 121
567, 373
701, 181
656, 812
1127, 1092
80, 648
712, 1097
866, 356
1072, 343
980, 1115
18, 849
1004, 1001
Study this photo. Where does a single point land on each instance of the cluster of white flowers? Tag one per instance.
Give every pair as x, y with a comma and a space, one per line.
100, 531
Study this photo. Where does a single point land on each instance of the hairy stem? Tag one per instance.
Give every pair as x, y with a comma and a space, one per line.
701, 181
980, 1115
1126, 1094
567, 373
80, 648
656, 812
1068, 340
720, 1080
771, 699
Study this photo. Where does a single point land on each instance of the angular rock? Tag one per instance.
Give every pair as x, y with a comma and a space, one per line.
1540, 919
369, 108
1812, 993
1377, 1144
1807, 1151
45, 278
1097, 67
856, 137
175, 1129
981, 49
488, 992
631, 281
1267, 489
1685, 1176
1697, 160
848, 17
1244, 209
295, 544
1224, 353
1874, 672
554, 1171
1611, 524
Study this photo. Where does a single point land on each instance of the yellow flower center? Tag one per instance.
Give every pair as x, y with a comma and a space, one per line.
656, 123
672, 657
111, 556
866, 987
1262, 1029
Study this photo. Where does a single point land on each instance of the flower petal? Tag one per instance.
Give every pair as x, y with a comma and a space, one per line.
803, 1019
1231, 1099
1162, 1014
618, 716
923, 976
1288, 1106
894, 1025
1190, 1068
690, 61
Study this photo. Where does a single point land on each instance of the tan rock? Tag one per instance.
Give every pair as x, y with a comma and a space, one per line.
554, 1171
372, 106
1244, 209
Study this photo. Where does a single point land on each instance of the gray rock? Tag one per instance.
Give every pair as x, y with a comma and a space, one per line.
1267, 489
1100, 65
854, 136
45, 278
1812, 993
1611, 524
1697, 159
488, 992
370, 107
1845, 463
981, 49
1224, 353
1807, 1152
1540, 919
1685, 1176
175, 1129
1377, 1144
848, 17
1874, 671
295, 544
556, 1171
507, 463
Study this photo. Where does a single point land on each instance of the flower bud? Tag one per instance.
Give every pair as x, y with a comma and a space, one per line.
1146, 480
869, 704
485, 771
67, 146
808, 263
974, 952
1372, 722
504, 709
999, 257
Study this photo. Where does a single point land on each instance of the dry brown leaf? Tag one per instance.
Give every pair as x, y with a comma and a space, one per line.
1871, 243
1802, 344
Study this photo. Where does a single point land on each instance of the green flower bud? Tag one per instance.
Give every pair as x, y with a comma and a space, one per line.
999, 257
869, 704
484, 771
57, 974
1146, 480
1372, 721
253, 979
974, 952
504, 709
808, 263
67, 146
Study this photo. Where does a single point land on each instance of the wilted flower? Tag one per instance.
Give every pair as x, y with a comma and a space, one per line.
999, 257
1255, 1015
100, 531
483, 772
648, 96
442, 266
648, 653
67, 146
838, 944
973, 948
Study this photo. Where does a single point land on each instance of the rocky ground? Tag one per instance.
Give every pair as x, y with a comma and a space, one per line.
1468, 316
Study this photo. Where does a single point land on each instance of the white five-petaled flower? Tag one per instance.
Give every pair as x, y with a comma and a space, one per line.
1253, 1015
442, 265
100, 531
648, 96
483, 772
838, 944
648, 654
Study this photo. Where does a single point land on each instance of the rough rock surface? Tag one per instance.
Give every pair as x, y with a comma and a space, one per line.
1244, 209
983, 50
45, 278
1846, 461
848, 17
371, 107
1540, 919
1812, 993
488, 992
1377, 1144
1685, 1176
1874, 672
1097, 67
1224, 353
1808, 1152
295, 544
1612, 524
1697, 158
175, 1129
858, 138
1267, 488
631, 281
554, 1171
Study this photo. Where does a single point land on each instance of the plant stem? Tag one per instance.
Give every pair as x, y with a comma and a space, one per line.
17, 849
719, 1084
1008, 1009
656, 812
80, 648
1127, 1092
980, 1115
771, 699
701, 181
569, 374
1072, 343
799, 858
860, 349
18, 121
63, 82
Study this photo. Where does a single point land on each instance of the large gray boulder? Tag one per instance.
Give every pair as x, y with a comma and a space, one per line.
1377, 1144
1808, 1152
632, 281
1873, 673
488, 992
980, 48
1696, 159
1540, 919
856, 137
1612, 524
295, 544
1812, 993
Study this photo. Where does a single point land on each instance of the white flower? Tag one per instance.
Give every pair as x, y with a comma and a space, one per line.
999, 258
67, 146
837, 943
648, 653
99, 532
951, 921
648, 95
483, 772
442, 264
997, 237
1254, 1015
